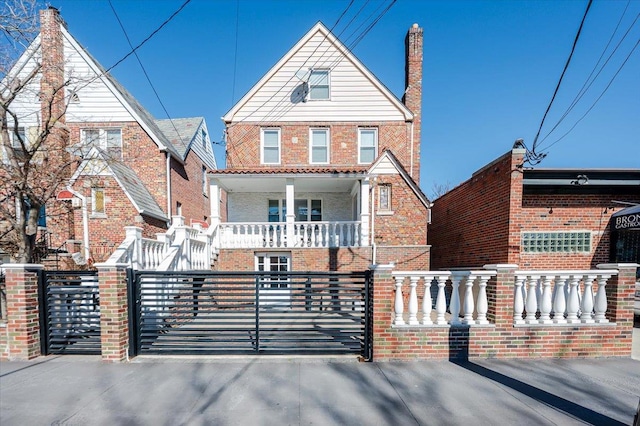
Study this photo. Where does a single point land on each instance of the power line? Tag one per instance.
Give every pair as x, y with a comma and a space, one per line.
145, 73
589, 82
599, 97
532, 156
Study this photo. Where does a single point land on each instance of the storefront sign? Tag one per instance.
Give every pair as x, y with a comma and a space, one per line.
628, 218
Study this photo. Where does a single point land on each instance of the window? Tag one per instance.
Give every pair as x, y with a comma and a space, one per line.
270, 142
367, 145
319, 146
204, 180
274, 288
97, 201
319, 85
108, 140
16, 136
306, 210
384, 198
556, 242
204, 140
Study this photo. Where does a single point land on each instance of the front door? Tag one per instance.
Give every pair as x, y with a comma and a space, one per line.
274, 290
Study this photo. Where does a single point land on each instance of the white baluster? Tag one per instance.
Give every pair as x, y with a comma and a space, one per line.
545, 303
349, 235
559, 302
441, 300
532, 300
399, 303
468, 300
482, 306
426, 302
587, 300
518, 301
454, 303
601, 300
413, 301
573, 304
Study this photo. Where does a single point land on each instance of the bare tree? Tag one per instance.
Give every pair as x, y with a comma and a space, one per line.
439, 189
36, 164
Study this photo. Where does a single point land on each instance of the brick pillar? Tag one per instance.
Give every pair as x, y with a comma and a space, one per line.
500, 294
114, 312
23, 314
620, 293
382, 300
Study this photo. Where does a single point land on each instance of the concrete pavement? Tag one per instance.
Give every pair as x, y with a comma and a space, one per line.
283, 391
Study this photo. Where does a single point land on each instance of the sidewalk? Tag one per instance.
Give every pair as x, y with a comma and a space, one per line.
265, 391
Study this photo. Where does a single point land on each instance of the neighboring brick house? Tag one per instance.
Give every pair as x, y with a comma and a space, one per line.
133, 169
536, 218
323, 165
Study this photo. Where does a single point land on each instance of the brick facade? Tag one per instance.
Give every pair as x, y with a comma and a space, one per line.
481, 221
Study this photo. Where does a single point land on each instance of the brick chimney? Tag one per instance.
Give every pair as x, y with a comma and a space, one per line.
413, 93
52, 81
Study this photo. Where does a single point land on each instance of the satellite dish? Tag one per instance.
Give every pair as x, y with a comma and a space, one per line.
303, 75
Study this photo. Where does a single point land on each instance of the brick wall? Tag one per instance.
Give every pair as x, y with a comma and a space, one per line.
470, 224
502, 339
186, 188
243, 143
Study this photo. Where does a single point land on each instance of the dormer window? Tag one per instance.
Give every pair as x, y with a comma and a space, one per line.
319, 85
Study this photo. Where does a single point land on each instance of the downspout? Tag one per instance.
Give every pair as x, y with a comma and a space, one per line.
85, 221
411, 163
168, 184
373, 223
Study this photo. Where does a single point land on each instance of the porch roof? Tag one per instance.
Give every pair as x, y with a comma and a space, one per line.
307, 179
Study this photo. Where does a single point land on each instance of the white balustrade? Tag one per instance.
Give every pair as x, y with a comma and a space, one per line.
561, 297
475, 298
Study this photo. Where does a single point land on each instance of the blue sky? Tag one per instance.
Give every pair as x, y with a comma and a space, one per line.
490, 68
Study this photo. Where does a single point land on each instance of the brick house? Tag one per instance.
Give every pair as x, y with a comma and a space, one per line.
322, 166
132, 169
535, 218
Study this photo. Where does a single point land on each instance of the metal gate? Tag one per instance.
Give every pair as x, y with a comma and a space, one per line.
69, 312
239, 312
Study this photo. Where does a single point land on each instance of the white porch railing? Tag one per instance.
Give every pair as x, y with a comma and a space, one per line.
180, 248
561, 297
301, 234
467, 301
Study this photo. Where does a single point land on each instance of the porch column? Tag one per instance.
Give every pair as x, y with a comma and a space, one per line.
291, 213
21, 331
214, 193
364, 211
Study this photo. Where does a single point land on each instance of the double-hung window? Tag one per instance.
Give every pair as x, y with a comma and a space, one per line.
319, 85
367, 145
319, 146
270, 144
306, 210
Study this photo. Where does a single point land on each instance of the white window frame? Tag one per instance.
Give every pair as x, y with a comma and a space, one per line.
205, 187
388, 208
327, 134
315, 73
204, 140
262, 146
560, 242
15, 142
102, 141
282, 209
361, 130
94, 211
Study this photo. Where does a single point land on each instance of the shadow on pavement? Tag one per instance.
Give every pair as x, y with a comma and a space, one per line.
585, 414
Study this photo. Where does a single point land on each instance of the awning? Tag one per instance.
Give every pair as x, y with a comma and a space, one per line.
626, 219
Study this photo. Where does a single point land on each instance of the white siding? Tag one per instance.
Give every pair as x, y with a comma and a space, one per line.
96, 101
384, 167
26, 104
353, 96
205, 153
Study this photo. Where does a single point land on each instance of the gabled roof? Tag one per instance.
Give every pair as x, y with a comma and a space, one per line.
387, 156
128, 180
180, 132
324, 31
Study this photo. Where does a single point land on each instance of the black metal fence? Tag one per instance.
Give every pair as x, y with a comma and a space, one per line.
3, 297
69, 312
237, 312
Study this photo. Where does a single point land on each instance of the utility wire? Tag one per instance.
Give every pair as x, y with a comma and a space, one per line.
599, 97
146, 75
532, 156
589, 82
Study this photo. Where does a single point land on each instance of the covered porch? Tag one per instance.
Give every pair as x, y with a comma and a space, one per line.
331, 208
